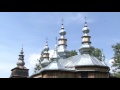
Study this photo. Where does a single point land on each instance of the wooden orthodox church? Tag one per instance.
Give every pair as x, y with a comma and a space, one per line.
83, 65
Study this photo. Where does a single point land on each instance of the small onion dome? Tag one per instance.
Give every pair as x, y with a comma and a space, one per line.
20, 63
62, 31
46, 48
85, 29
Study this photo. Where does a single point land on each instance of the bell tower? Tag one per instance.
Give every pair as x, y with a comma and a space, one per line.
20, 71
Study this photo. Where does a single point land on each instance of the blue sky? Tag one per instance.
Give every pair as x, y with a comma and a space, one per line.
32, 28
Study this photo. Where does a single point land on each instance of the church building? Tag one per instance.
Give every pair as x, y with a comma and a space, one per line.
83, 65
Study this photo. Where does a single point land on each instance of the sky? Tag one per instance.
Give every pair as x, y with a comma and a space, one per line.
32, 28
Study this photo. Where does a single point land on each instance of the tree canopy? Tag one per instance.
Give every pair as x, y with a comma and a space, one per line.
96, 52
72, 53
116, 59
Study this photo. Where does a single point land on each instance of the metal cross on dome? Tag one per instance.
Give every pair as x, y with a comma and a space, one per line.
85, 18
62, 20
22, 49
22, 46
46, 39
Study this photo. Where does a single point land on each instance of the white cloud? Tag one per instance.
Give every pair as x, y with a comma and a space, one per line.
33, 58
109, 63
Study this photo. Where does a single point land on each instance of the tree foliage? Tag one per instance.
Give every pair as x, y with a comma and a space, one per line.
72, 53
116, 59
117, 75
96, 52
37, 68
38, 65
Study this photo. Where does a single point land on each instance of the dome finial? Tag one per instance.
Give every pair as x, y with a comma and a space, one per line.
55, 56
46, 48
46, 39
21, 62
62, 31
45, 55
85, 21
21, 50
22, 46
62, 21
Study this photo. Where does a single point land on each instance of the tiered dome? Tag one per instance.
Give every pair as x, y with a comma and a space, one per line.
21, 59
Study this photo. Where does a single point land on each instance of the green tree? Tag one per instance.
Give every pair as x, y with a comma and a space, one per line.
37, 67
116, 59
72, 53
117, 74
96, 52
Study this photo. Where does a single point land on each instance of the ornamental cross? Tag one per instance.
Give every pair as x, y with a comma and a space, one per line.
85, 18
22, 46
46, 39
62, 20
